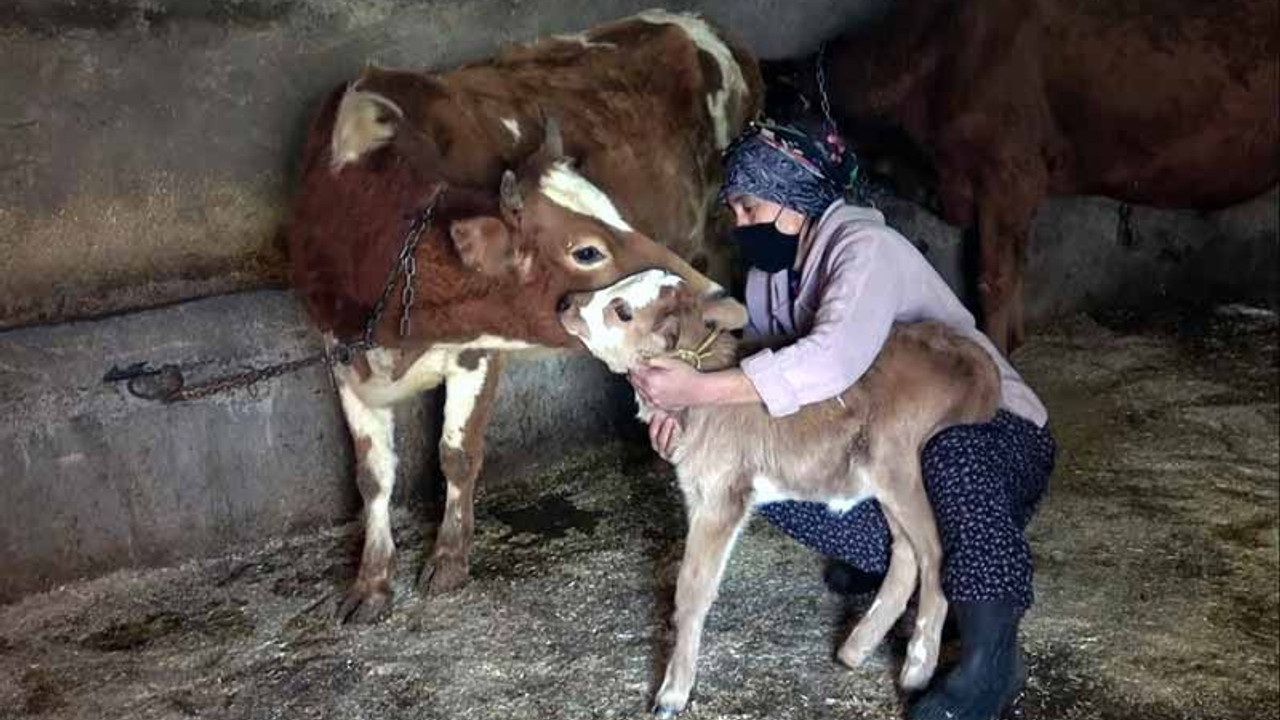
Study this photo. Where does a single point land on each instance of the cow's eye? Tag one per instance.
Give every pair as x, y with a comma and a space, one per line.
588, 255
624, 312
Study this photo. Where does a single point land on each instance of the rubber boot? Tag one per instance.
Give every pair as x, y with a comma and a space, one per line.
842, 578
990, 673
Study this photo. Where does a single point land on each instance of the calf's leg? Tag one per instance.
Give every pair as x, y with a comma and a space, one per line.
909, 506
714, 524
890, 600
470, 387
372, 431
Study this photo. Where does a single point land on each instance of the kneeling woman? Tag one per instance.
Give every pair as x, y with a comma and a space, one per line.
829, 279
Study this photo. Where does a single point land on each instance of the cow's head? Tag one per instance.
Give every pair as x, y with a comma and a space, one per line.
558, 234
653, 313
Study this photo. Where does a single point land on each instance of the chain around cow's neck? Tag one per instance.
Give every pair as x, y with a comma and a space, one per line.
406, 264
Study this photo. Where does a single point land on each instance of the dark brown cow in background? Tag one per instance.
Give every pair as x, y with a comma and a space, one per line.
1172, 104
645, 106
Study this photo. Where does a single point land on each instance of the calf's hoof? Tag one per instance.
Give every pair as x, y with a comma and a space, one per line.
366, 602
854, 654
915, 675
665, 712
442, 575
670, 701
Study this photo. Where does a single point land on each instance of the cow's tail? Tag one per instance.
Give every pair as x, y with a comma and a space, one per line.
365, 122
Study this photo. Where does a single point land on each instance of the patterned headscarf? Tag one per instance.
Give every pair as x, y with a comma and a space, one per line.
804, 171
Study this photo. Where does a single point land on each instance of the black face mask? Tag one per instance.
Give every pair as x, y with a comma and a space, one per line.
765, 247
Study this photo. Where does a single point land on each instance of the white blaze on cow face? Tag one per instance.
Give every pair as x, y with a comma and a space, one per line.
565, 187
705, 37
612, 322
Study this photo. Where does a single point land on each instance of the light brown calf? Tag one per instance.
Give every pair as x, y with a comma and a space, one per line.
863, 444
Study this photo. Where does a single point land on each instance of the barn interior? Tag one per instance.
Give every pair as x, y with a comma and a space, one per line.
174, 560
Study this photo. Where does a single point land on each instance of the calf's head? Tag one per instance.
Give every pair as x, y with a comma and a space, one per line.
653, 313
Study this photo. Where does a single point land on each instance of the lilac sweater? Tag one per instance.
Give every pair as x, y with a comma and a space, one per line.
858, 277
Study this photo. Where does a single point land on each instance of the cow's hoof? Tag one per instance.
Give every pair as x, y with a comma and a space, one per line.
665, 712
441, 576
366, 602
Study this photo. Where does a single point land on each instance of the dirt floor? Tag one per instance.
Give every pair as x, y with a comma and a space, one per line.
1157, 555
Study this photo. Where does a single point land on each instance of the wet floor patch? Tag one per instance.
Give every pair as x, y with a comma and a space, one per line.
1158, 583
547, 517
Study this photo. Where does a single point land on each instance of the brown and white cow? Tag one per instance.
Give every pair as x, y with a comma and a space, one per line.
863, 444
1164, 104
645, 106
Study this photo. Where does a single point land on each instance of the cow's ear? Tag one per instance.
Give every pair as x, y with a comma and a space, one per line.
484, 244
724, 313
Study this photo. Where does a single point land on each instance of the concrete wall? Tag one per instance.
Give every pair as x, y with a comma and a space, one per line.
1093, 253
146, 158
93, 478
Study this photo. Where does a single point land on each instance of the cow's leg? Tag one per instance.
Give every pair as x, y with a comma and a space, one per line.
996, 280
1006, 210
891, 599
470, 387
1017, 320
372, 431
714, 524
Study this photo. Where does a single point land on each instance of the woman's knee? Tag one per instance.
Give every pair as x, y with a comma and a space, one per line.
860, 536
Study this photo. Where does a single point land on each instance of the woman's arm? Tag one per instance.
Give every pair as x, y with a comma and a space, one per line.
672, 385
858, 304
857, 307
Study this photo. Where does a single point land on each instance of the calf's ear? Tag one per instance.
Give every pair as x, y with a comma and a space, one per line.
724, 313
484, 245
668, 329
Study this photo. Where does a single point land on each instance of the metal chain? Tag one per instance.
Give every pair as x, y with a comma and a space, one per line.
406, 264
409, 268
240, 380
856, 190
168, 385
822, 90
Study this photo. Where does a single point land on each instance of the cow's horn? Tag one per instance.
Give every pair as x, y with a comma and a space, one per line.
510, 192
552, 140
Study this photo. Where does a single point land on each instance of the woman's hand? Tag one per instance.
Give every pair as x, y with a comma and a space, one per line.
670, 385
664, 428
